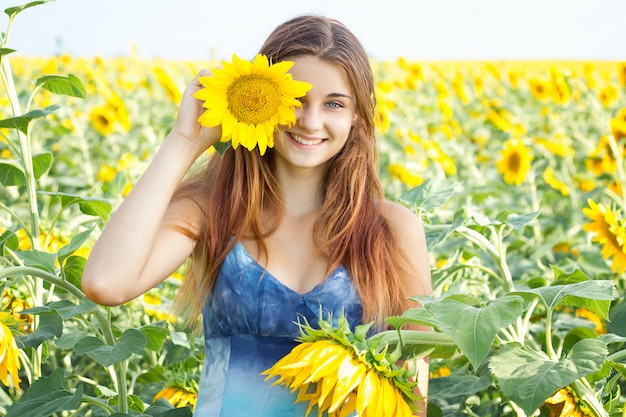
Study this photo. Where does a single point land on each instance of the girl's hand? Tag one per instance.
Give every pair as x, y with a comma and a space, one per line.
187, 125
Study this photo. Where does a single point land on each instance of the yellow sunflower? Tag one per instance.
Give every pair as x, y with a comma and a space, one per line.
171, 89
9, 352
540, 89
599, 323
550, 179
179, 395
564, 403
560, 89
102, 120
250, 100
329, 371
618, 124
608, 95
405, 175
515, 162
610, 233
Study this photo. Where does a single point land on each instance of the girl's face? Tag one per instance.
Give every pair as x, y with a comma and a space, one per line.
324, 121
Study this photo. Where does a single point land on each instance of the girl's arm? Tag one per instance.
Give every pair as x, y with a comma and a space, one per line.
138, 247
409, 231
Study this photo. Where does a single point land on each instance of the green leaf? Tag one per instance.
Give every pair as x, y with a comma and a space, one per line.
6, 51
518, 222
71, 335
50, 326
12, 171
41, 164
528, 378
425, 197
75, 243
562, 277
618, 367
479, 218
9, 240
38, 259
457, 385
66, 309
155, 336
73, 269
69, 85
22, 123
474, 328
618, 317
87, 205
135, 403
417, 316
47, 396
222, 147
593, 295
13, 11
435, 238
162, 408
132, 341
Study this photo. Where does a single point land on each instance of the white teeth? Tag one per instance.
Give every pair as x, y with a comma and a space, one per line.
306, 142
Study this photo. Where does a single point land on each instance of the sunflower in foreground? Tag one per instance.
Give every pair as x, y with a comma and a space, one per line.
515, 162
564, 403
335, 370
179, 395
610, 233
250, 100
9, 352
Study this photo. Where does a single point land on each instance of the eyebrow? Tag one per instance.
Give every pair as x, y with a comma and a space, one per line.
337, 95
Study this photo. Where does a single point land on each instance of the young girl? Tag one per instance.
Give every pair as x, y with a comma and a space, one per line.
302, 230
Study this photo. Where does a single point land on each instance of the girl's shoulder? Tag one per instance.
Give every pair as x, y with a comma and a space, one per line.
400, 218
186, 213
408, 230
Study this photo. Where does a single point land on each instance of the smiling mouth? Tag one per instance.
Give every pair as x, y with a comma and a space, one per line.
307, 142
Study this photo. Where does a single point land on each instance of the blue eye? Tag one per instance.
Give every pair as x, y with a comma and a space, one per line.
334, 104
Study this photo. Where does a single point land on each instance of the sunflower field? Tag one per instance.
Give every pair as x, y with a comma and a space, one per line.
517, 170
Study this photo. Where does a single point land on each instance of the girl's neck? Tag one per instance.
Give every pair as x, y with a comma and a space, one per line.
302, 189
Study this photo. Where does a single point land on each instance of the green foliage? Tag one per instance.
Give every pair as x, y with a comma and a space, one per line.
514, 319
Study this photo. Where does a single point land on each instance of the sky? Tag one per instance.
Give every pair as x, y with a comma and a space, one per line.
415, 29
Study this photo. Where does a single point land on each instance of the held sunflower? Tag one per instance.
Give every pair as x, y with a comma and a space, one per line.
250, 100
342, 372
179, 394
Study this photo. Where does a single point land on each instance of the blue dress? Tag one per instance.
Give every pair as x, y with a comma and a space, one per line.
249, 324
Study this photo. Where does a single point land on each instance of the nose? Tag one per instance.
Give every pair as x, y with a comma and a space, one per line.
309, 118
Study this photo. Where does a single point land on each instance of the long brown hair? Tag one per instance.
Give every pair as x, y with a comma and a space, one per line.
240, 189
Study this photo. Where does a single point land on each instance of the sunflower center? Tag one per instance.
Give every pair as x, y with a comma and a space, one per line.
253, 99
515, 161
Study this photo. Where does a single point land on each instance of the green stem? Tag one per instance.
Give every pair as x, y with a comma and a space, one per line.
122, 389
15, 216
619, 356
518, 410
619, 162
27, 159
549, 348
586, 395
103, 321
31, 192
417, 343
526, 320
95, 401
480, 240
536, 206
